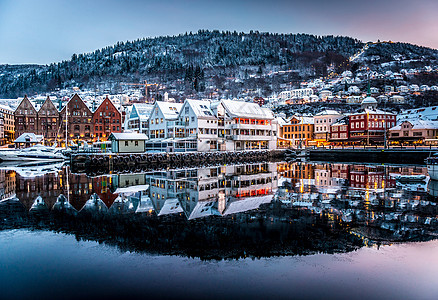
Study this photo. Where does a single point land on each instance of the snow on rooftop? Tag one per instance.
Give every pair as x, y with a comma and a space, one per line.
128, 136
247, 204
201, 108
247, 110
169, 110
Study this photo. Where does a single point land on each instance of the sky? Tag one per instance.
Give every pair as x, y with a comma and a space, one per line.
46, 31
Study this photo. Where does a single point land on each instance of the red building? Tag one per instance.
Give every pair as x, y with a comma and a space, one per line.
369, 126
340, 131
79, 120
26, 118
106, 119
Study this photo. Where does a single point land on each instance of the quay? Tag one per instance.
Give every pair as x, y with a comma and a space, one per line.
102, 163
401, 155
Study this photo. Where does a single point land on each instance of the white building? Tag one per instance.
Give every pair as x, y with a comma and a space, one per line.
138, 119
322, 121
353, 89
244, 126
324, 94
162, 119
294, 94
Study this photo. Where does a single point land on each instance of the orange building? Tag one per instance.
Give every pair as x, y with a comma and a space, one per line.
299, 131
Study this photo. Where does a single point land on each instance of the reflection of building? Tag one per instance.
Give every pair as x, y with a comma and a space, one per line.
209, 191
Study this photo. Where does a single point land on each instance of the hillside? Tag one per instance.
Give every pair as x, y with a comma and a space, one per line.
203, 59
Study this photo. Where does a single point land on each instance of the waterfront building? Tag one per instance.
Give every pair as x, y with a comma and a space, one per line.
414, 131
298, 132
245, 126
162, 119
370, 125
48, 122
25, 118
8, 124
106, 120
131, 142
196, 128
79, 119
339, 131
138, 119
323, 120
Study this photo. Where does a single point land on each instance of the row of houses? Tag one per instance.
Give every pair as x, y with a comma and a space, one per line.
195, 125
74, 121
368, 126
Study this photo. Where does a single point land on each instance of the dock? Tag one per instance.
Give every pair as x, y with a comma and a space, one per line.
372, 155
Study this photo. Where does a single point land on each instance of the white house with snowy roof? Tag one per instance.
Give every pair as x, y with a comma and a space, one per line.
138, 119
245, 126
162, 119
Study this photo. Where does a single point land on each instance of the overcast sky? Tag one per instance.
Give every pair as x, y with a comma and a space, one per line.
45, 31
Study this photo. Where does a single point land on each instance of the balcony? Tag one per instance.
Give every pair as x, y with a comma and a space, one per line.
252, 138
251, 126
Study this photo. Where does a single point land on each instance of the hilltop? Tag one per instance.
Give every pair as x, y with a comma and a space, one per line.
201, 62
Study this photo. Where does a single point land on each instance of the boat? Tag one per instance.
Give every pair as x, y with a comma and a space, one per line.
31, 169
35, 153
432, 166
410, 178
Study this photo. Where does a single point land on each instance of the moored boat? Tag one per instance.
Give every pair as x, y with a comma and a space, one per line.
34, 153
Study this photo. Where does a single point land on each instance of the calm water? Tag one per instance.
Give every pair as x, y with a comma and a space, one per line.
264, 230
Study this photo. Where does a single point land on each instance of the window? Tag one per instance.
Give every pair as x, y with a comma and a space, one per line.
126, 143
136, 143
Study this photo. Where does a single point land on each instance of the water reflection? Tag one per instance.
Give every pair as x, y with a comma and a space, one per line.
222, 211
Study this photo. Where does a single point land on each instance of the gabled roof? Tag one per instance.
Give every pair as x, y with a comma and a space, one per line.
201, 108
303, 120
240, 109
24, 100
419, 125
141, 111
327, 112
29, 138
169, 110
48, 104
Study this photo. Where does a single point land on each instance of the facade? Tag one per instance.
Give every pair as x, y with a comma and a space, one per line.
414, 131
296, 93
8, 124
79, 119
48, 122
138, 119
369, 126
323, 121
25, 118
196, 128
245, 126
106, 120
162, 120
339, 131
298, 132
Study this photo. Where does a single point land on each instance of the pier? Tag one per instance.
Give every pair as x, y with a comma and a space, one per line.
101, 163
401, 155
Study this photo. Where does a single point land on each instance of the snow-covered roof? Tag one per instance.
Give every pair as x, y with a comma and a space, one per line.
241, 109
419, 125
142, 110
169, 110
369, 100
303, 120
372, 111
201, 108
327, 112
425, 113
29, 138
131, 136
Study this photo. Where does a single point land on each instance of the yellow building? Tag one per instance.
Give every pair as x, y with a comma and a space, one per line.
298, 132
